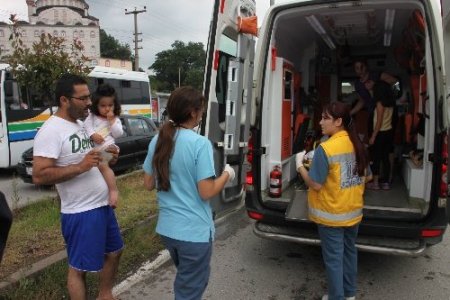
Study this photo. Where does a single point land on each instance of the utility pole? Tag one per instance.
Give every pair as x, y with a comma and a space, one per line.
135, 12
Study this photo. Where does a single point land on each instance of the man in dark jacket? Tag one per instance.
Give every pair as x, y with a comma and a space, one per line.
5, 223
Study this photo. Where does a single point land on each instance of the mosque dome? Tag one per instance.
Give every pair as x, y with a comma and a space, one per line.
77, 5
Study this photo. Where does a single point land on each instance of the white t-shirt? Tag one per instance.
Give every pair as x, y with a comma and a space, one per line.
99, 125
68, 143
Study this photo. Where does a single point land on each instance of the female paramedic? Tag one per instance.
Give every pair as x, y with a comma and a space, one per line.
180, 165
336, 182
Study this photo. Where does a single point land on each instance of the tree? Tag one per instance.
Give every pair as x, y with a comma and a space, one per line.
183, 63
40, 66
158, 85
112, 48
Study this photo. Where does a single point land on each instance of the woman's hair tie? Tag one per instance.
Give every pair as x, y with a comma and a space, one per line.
173, 123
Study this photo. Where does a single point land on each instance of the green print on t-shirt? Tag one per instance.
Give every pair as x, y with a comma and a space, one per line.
80, 144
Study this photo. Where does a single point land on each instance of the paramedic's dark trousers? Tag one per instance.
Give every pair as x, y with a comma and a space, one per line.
5, 223
341, 260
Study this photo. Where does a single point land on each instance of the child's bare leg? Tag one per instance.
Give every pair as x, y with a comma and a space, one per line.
110, 179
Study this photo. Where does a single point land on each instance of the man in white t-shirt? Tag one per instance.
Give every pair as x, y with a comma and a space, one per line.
64, 155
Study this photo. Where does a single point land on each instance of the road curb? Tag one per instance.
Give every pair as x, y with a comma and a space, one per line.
145, 269
150, 266
33, 269
130, 174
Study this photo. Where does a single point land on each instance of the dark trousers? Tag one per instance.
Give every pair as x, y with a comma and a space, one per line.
340, 257
5, 223
193, 267
380, 154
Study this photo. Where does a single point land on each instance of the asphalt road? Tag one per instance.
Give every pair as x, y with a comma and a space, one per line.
247, 267
19, 193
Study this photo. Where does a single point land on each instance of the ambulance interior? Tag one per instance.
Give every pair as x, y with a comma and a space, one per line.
310, 62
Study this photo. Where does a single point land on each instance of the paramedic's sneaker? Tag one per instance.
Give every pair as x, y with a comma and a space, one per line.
325, 297
372, 186
385, 186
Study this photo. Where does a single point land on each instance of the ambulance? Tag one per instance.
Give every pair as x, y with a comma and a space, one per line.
266, 87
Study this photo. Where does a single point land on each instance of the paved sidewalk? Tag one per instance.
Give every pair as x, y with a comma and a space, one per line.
154, 280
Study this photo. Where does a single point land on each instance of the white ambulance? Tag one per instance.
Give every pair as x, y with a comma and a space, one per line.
264, 107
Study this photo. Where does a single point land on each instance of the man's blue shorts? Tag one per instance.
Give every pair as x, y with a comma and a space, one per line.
89, 236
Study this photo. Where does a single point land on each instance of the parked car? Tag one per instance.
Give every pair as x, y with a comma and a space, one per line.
137, 134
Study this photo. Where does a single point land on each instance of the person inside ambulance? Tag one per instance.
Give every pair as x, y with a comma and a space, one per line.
364, 88
336, 181
364, 85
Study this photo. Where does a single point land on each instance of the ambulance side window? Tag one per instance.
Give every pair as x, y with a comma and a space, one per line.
228, 48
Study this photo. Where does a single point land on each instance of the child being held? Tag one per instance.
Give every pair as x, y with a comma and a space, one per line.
312, 141
103, 126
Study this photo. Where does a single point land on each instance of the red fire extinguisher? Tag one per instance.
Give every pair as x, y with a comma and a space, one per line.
275, 182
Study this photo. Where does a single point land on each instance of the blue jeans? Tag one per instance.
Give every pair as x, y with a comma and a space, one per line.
193, 267
341, 260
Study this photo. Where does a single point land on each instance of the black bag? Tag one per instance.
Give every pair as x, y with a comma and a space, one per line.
5, 223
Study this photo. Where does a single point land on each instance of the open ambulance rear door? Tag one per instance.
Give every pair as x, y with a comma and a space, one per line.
228, 89
445, 7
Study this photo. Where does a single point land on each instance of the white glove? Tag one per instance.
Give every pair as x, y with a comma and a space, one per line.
230, 171
299, 159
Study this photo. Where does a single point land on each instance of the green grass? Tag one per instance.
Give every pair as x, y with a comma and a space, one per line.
35, 234
141, 244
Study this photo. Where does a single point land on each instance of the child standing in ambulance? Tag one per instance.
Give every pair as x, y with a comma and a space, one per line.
382, 137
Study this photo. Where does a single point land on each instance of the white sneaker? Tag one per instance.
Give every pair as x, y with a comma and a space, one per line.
325, 297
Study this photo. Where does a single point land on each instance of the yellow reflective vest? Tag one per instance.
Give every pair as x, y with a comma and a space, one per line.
339, 202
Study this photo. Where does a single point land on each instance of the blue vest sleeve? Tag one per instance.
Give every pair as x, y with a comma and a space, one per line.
319, 166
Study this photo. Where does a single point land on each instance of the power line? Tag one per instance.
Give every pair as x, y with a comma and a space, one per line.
126, 34
162, 20
175, 27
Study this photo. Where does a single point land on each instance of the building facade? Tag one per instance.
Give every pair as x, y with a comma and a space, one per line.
115, 63
69, 19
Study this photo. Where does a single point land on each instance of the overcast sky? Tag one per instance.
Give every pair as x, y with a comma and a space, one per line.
164, 22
